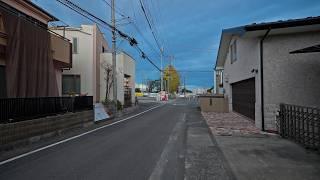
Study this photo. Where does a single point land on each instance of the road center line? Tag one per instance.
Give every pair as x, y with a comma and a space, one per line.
75, 137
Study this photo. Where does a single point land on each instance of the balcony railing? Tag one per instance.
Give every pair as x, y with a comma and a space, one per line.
21, 109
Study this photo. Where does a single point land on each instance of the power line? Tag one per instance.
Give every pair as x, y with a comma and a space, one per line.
145, 39
153, 34
116, 10
101, 22
134, 25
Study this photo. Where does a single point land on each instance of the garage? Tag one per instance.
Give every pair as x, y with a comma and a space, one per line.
243, 97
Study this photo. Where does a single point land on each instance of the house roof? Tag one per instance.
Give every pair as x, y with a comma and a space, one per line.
311, 49
259, 29
53, 18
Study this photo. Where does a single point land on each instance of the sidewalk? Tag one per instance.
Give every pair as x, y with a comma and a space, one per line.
252, 154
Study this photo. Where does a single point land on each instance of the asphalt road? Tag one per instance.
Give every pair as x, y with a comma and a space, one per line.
149, 146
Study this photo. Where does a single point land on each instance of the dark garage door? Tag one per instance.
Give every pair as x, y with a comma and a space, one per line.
243, 97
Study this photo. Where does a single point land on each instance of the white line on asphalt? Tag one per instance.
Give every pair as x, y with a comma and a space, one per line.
164, 157
75, 137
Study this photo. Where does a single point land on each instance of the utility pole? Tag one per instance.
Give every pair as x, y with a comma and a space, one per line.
114, 54
184, 82
169, 74
161, 73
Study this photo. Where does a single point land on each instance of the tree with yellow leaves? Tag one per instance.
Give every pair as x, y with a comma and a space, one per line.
171, 77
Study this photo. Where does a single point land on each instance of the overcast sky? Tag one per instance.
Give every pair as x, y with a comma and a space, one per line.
189, 30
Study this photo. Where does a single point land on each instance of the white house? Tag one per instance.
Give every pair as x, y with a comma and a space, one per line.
125, 77
259, 72
88, 43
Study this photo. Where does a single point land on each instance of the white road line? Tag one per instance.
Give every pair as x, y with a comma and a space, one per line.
164, 157
75, 137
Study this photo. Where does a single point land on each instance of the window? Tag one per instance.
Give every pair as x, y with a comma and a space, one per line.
103, 49
70, 84
233, 50
75, 45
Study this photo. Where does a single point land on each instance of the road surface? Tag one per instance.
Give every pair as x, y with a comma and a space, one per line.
148, 146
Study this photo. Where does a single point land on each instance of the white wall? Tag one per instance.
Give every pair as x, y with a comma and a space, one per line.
248, 58
125, 65
86, 62
82, 63
129, 68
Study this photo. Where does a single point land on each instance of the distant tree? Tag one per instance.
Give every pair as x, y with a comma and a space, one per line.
171, 75
210, 90
108, 77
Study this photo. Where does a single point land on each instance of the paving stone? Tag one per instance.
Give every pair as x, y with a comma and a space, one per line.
230, 124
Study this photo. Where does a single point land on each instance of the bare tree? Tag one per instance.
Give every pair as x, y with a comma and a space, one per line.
108, 77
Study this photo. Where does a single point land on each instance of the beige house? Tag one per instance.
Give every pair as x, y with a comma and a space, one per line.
31, 57
125, 77
84, 76
259, 72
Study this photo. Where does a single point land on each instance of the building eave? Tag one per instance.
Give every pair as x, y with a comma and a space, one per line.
257, 30
226, 37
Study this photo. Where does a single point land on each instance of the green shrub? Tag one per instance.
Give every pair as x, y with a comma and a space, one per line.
112, 103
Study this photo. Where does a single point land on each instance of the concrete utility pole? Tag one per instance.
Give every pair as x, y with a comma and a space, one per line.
169, 74
161, 73
114, 54
184, 82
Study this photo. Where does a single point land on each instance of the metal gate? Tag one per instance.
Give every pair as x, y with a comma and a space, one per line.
300, 124
244, 97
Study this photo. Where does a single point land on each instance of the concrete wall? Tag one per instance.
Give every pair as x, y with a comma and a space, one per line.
213, 104
290, 78
25, 132
125, 65
248, 55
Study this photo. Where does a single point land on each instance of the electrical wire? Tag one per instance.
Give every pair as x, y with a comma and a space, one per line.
117, 11
148, 21
101, 22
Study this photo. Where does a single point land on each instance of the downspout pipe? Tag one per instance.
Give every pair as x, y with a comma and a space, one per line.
261, 77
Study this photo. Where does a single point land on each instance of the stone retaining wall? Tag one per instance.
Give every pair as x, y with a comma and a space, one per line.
25, 132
